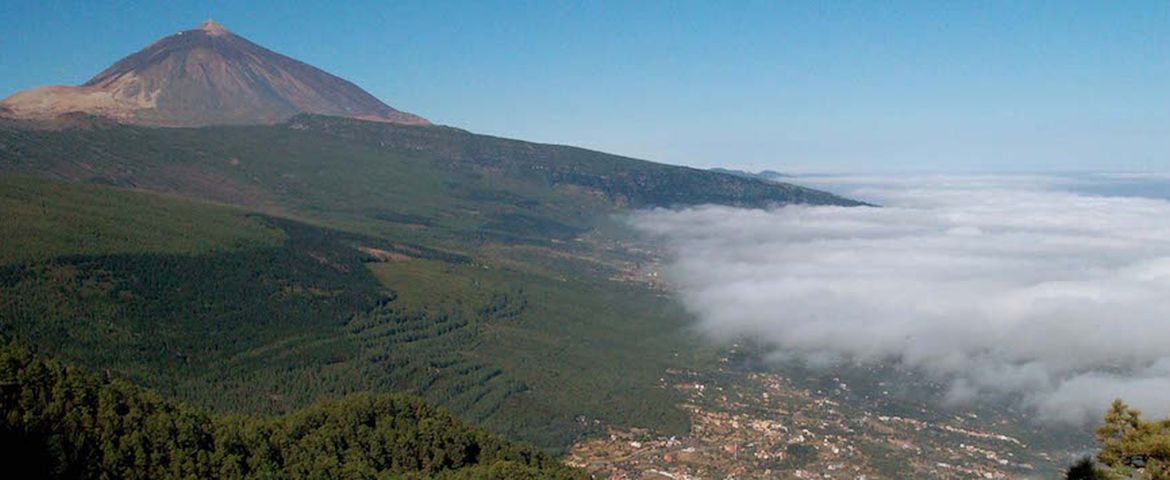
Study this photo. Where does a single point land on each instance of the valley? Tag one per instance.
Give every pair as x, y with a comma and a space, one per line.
302, 313
761, 424
485, 223
258, 251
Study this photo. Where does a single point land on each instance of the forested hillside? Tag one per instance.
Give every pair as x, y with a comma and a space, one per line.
437, 186
488, 275
244, 312
63, 422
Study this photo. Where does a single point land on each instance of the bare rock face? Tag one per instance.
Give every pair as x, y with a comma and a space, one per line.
205, 76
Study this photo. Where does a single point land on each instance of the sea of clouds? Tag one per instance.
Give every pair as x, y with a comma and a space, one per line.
996, 285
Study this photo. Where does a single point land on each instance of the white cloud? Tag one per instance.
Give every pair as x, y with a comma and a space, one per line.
994, 284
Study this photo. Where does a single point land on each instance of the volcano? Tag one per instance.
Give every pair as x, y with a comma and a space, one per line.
206, 76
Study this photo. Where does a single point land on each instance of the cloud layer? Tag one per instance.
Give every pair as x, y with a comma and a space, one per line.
997, 285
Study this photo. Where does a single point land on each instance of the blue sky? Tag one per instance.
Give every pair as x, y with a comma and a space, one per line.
797, 86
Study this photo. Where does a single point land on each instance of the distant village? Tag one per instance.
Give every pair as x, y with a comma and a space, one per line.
764, 427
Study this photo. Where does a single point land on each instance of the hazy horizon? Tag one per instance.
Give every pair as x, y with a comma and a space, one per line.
313, 240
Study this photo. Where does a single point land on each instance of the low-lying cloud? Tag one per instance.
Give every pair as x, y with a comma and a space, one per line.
996, 285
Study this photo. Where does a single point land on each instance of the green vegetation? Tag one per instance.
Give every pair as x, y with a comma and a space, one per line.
43, 219
620, 180
486, 275
504, 336
523, 347
162, 317
65, 423
431, 183
1131, 447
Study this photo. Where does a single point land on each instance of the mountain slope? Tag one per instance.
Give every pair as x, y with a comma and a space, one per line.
769, 175
241, 312
63, 422
333, 165
487, 275
625, 182
206, 76
491, 276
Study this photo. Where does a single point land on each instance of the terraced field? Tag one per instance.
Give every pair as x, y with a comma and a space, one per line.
243, 311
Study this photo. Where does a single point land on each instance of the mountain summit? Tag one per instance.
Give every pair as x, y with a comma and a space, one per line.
206, 76
213, 28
